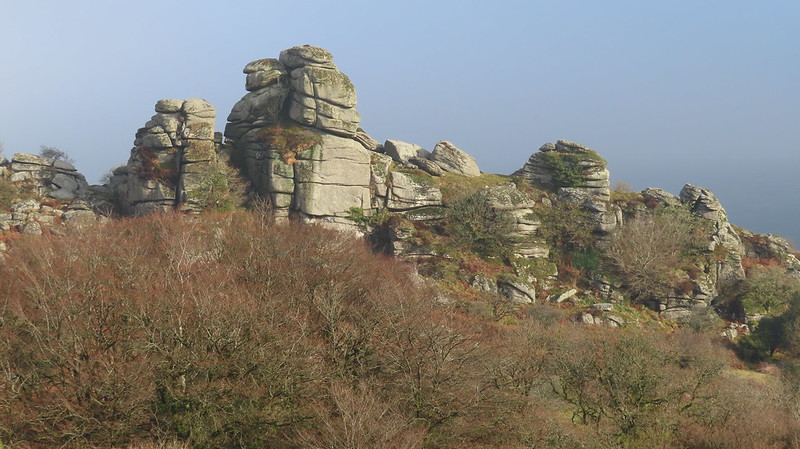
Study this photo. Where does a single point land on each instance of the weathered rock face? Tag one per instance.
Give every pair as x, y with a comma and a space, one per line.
770, 246
321, 95
508, 199
173, 159
46, 178
43, 195
724, 238
410, 191
578, 175
451, 159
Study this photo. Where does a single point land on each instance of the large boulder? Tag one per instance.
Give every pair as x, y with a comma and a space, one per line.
403, 152
453, 160
412, 191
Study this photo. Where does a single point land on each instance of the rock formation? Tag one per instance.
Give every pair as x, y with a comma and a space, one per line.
295, 137
724, 239
173, 161
41, 195
50, 178
578, 175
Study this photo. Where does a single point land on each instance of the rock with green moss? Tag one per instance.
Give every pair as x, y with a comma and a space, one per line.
412, 191
578, 175
306, 55
567, 164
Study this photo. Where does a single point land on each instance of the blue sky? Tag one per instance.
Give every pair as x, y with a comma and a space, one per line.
670, 92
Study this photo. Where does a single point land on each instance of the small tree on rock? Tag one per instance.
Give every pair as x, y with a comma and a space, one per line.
55, 154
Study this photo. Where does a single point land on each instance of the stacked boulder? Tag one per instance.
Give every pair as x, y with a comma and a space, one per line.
50, 178
296, 136
172, 160
322, 96
525, 224
578, 175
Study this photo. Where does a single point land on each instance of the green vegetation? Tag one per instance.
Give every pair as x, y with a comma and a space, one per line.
220, 188
454, 187
473, 223
288, 139
566, 227
775, 333
11, 192
768, 289
367, 221
569, 168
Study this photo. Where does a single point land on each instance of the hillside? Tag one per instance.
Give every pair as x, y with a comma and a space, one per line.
292, 282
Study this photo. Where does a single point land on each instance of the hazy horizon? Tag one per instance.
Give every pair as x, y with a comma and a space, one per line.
669, 93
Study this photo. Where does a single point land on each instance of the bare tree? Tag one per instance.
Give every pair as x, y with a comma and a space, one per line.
646, 251
55, 154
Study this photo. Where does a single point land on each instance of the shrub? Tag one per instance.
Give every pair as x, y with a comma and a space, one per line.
8, 193
154, 169
220, 188
768, 289
288, 139
566, 227
645, 251
567, 168
473, 223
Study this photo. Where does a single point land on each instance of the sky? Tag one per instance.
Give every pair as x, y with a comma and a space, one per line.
669, 92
